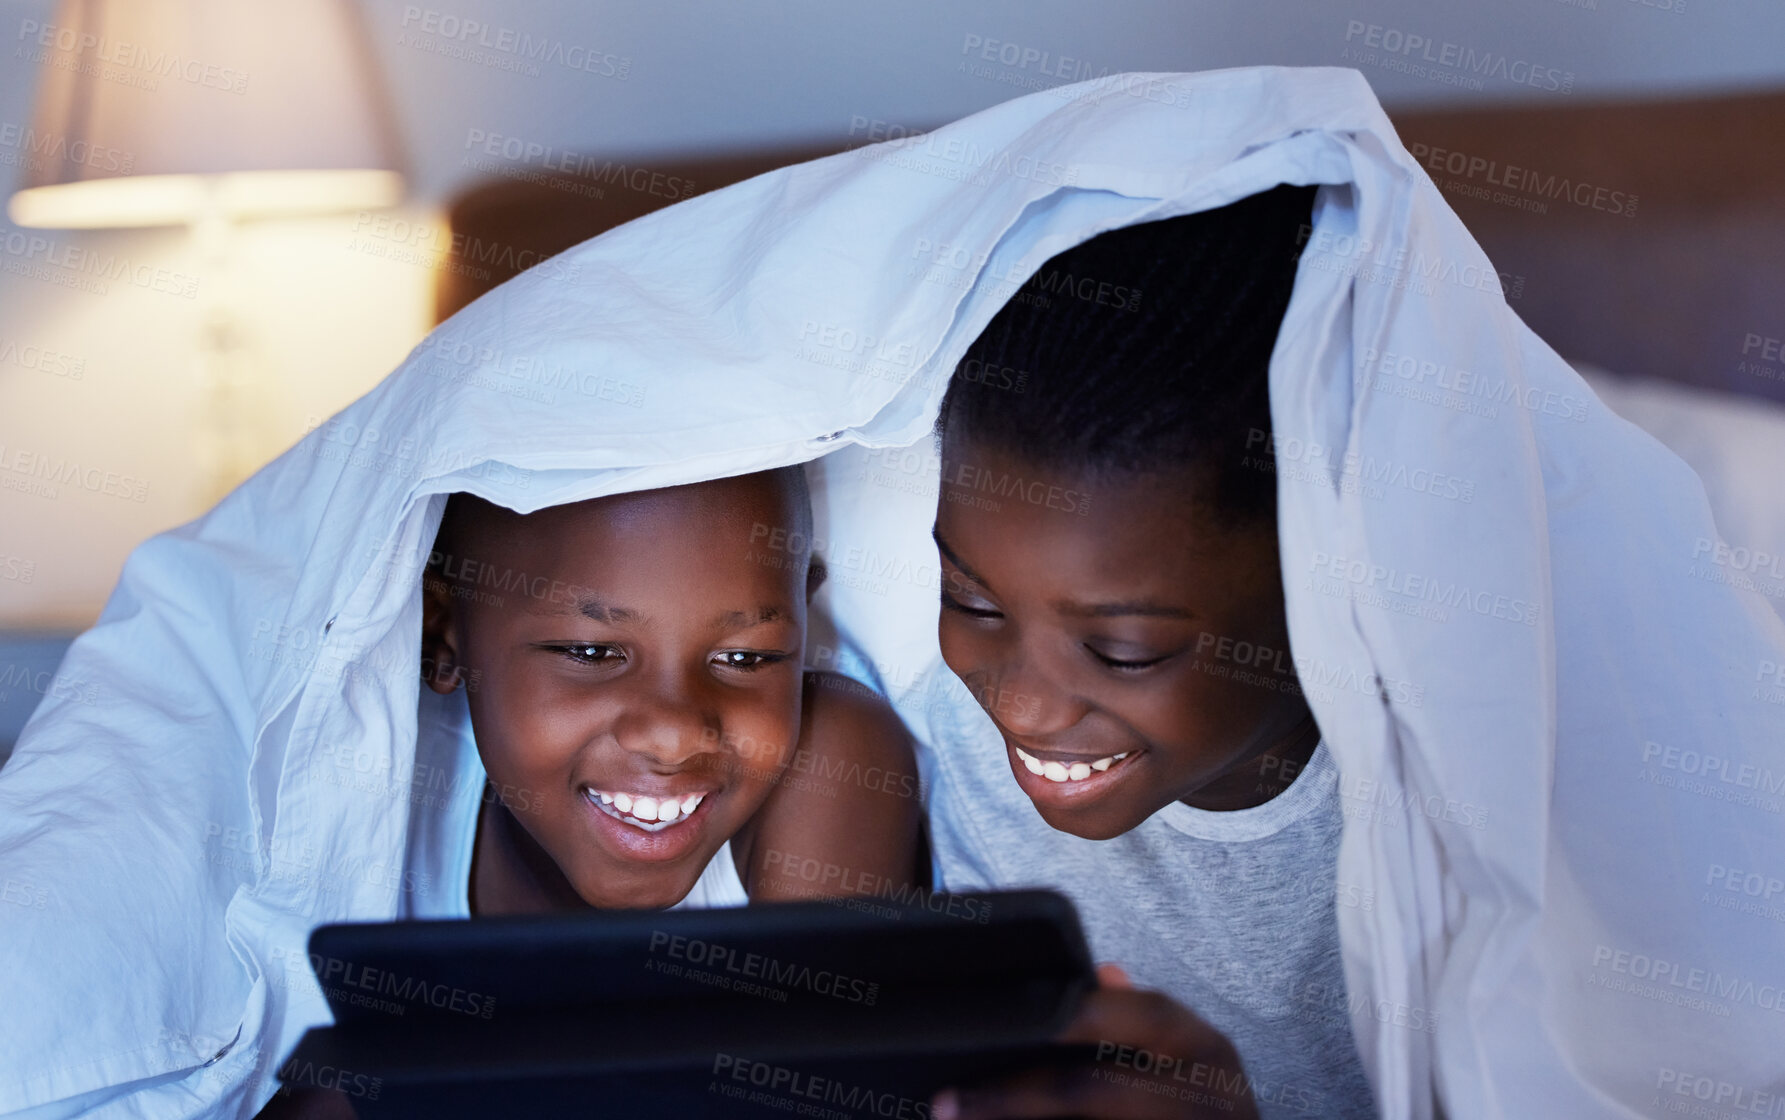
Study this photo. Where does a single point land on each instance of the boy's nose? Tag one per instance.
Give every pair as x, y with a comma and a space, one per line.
669, 730
1027, 702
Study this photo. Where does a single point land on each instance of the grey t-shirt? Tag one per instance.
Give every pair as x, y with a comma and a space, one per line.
1233, 914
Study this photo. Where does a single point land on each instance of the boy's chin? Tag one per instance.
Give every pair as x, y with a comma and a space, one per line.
1099, 822
659, 893
613, 884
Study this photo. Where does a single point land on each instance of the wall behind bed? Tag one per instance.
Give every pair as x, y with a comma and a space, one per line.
1675, 103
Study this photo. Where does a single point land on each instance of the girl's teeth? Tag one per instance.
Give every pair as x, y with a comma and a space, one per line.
645, 808
1060, 772
623, 802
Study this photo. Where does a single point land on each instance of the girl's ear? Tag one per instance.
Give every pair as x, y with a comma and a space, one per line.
815, 573
440, 666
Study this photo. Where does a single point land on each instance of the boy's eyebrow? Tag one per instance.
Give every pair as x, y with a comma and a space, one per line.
591, 607
942, 546
1080, 610
1114, 610
732, 620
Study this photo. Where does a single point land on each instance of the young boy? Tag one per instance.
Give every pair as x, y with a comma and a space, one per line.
1214, 804
632, 670
644, 720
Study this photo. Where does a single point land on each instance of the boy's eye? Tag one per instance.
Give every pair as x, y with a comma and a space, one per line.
591, 653
1125, 666
747, 659
950, 603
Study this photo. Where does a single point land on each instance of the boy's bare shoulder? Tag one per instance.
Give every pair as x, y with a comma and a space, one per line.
847, 719
852, 799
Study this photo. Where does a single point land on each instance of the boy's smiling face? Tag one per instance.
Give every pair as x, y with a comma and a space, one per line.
638, 656
1096, 637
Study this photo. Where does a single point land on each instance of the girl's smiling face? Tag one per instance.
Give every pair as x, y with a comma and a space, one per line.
1098, 636
644, 661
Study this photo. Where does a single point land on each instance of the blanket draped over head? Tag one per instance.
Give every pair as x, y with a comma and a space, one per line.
1561, 735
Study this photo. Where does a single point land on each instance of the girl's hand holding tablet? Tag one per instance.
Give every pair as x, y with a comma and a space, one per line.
1154, 1057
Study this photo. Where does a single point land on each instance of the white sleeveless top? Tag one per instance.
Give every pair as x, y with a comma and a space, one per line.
445, 793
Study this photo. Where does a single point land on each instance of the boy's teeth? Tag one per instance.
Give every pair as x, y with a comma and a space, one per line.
644, 810
1060, 772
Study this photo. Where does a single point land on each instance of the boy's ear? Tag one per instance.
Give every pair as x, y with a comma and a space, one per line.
815, 573
440, 666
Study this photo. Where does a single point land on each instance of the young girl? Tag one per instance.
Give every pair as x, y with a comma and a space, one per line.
1194, 816
1272, 533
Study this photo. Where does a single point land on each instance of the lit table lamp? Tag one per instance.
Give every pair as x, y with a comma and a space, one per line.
206, 113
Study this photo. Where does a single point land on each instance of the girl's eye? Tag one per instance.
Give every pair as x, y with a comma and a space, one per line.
1127, 666
747, 659
950, 603
588, 653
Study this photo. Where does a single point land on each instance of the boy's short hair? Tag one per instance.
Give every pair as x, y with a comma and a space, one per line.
463, 508
1165, 368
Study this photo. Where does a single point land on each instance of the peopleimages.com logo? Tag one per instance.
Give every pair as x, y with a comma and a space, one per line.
133, 64
1418, 54
503, 48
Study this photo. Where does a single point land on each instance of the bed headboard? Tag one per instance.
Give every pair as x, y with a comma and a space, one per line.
1646, 237
1651, 235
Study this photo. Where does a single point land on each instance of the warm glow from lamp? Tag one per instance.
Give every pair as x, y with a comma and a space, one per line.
275, 110
161, 200
209, 114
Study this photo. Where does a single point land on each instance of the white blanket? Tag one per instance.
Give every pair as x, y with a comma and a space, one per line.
1551, 832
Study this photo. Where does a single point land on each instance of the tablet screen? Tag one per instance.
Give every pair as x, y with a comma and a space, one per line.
899, 994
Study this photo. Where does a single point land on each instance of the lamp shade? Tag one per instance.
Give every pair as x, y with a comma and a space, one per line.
150, 111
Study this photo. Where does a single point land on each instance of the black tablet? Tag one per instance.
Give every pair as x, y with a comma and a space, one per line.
841, 1008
